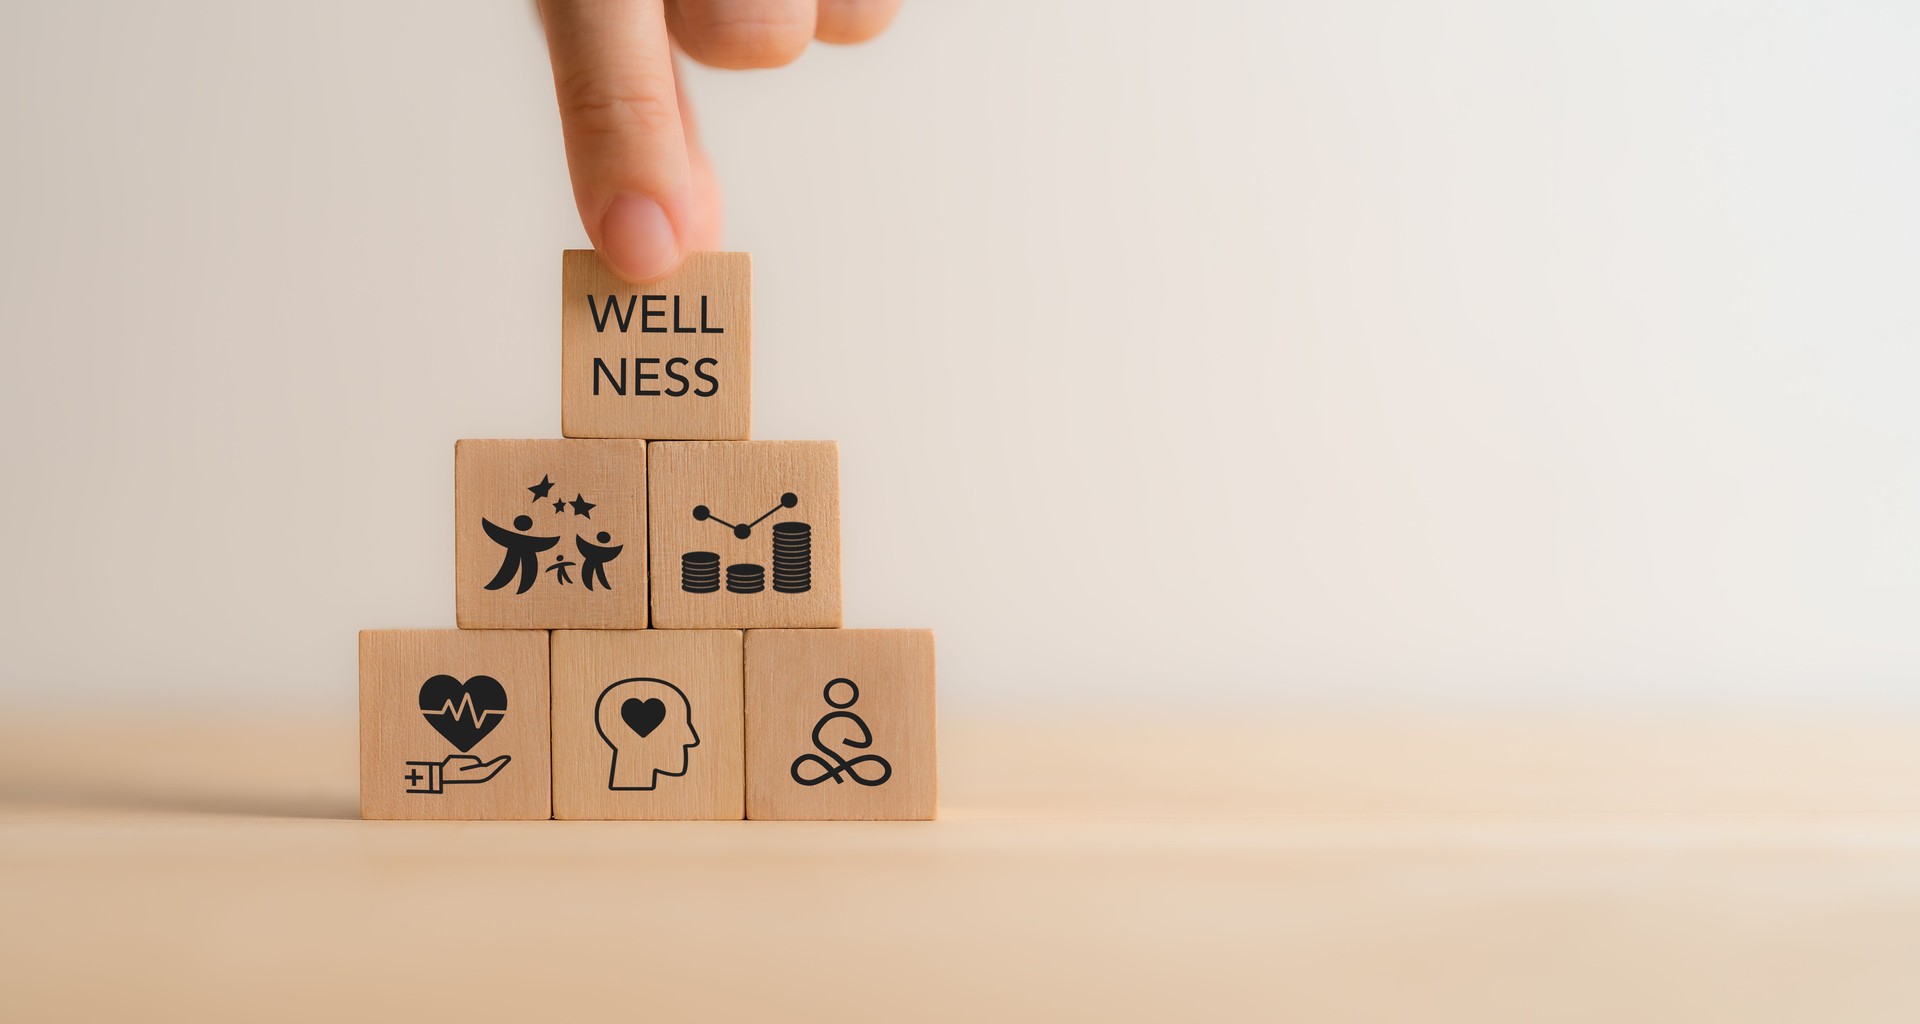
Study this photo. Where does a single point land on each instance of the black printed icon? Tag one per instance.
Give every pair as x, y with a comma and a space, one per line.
466, 712
700, 572
463, 713
522, 547
594, 559
744, 530
831, 763
523, 552
792, 557
454, 770
649, 725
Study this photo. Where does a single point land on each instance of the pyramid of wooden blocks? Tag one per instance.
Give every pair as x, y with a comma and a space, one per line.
649, 606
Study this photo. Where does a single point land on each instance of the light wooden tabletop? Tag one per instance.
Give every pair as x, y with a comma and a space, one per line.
1300, 867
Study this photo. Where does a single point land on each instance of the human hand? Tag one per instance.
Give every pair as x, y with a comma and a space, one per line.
646, 192
456, 769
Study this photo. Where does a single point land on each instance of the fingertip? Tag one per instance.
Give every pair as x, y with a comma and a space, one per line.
741, 34
853, 21
637, 239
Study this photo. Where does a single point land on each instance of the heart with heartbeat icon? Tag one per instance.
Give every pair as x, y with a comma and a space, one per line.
463, 712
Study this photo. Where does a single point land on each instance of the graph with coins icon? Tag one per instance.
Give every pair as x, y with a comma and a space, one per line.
792, 555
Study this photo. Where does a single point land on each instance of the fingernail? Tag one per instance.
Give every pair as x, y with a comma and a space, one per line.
636, 238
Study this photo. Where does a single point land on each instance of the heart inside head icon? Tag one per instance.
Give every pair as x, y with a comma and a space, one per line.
648, 724
466, 712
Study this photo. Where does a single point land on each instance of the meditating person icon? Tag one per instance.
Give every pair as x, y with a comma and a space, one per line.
523, 552
830, 762
560, 565
594, 559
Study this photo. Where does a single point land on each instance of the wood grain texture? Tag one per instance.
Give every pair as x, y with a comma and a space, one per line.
499, 482
400, 750
671, 359
737, 482
612, 760
817, 699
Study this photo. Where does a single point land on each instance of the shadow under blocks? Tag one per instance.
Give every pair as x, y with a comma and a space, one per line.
649, 606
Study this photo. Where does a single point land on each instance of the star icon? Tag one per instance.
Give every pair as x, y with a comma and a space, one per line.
560, 506
540, 489
581, 506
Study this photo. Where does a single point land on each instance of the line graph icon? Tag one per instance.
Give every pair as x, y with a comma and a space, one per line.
744, 530
792, 556
463, 712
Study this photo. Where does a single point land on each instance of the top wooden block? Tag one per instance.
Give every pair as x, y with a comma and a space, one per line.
670, 360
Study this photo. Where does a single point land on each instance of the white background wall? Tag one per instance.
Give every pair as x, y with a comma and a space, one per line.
1345, 350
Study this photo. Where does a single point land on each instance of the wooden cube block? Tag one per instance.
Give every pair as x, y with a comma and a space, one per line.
550, 534
453, 724
744, 534
840, 724
668, 359
647, 724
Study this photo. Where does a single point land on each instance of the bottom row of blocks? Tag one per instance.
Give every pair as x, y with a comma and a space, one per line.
647, 724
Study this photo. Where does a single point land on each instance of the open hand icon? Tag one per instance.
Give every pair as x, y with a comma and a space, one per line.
456, 769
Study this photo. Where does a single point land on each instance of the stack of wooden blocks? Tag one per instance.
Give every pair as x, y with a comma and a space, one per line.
649, 608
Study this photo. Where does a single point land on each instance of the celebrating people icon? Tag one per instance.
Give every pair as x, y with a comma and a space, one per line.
831, 763
561, 565
523, 552
594, 558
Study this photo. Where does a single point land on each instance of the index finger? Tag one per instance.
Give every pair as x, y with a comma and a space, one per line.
620, 115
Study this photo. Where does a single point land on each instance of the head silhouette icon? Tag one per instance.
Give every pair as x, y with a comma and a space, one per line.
649, 725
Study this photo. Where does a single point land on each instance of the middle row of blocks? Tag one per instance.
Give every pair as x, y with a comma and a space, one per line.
578, 534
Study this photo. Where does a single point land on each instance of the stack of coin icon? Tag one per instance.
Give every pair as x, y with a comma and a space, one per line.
792, 557
746, 578
700, 572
